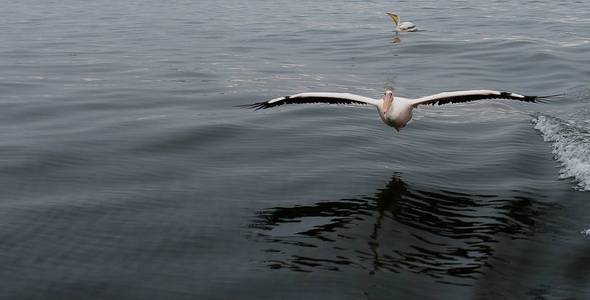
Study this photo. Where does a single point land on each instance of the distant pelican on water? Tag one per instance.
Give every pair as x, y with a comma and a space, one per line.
401, 26
394, 111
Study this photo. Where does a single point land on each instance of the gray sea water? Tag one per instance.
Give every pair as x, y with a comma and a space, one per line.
128, 172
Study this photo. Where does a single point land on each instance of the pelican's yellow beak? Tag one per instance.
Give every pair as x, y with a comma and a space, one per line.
394, 18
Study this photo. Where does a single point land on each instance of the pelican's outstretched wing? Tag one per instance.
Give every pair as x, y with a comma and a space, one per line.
473, 95
330, 98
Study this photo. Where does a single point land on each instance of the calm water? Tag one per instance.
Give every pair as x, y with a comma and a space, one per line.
127, 172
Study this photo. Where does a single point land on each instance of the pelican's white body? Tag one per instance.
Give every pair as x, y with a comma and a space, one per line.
406, 27
398, 115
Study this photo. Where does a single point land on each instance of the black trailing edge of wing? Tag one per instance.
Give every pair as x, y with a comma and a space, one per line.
502, 95
300, 100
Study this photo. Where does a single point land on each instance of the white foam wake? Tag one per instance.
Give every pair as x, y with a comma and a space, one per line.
571, 147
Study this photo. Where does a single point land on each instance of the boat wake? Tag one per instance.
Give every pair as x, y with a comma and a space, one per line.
571, 147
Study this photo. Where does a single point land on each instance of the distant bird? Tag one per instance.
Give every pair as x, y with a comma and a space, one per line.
394, 111
401, 26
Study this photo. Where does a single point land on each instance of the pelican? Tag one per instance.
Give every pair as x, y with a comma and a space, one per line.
401, 26
394, 111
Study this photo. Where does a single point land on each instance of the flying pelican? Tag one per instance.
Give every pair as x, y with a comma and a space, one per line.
403, 26
394, 111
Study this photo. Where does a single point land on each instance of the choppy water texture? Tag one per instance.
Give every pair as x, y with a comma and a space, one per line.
127, 172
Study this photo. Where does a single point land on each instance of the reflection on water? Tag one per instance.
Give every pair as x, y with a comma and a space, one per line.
447, 235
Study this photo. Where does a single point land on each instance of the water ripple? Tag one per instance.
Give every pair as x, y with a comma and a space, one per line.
447, 235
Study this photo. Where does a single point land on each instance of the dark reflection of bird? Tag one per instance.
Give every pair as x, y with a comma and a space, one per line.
446, 235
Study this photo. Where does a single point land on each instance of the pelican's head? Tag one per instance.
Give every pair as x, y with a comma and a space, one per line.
394, 17
387, 101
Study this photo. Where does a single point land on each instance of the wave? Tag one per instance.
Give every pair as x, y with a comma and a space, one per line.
571, 147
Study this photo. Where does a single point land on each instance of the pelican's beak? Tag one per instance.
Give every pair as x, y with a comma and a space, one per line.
394, 17
387, 101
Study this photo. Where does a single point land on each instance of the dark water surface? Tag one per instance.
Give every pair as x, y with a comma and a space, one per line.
127, 172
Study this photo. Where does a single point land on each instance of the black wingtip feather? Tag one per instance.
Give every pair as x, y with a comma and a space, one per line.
545, 98
255, 106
